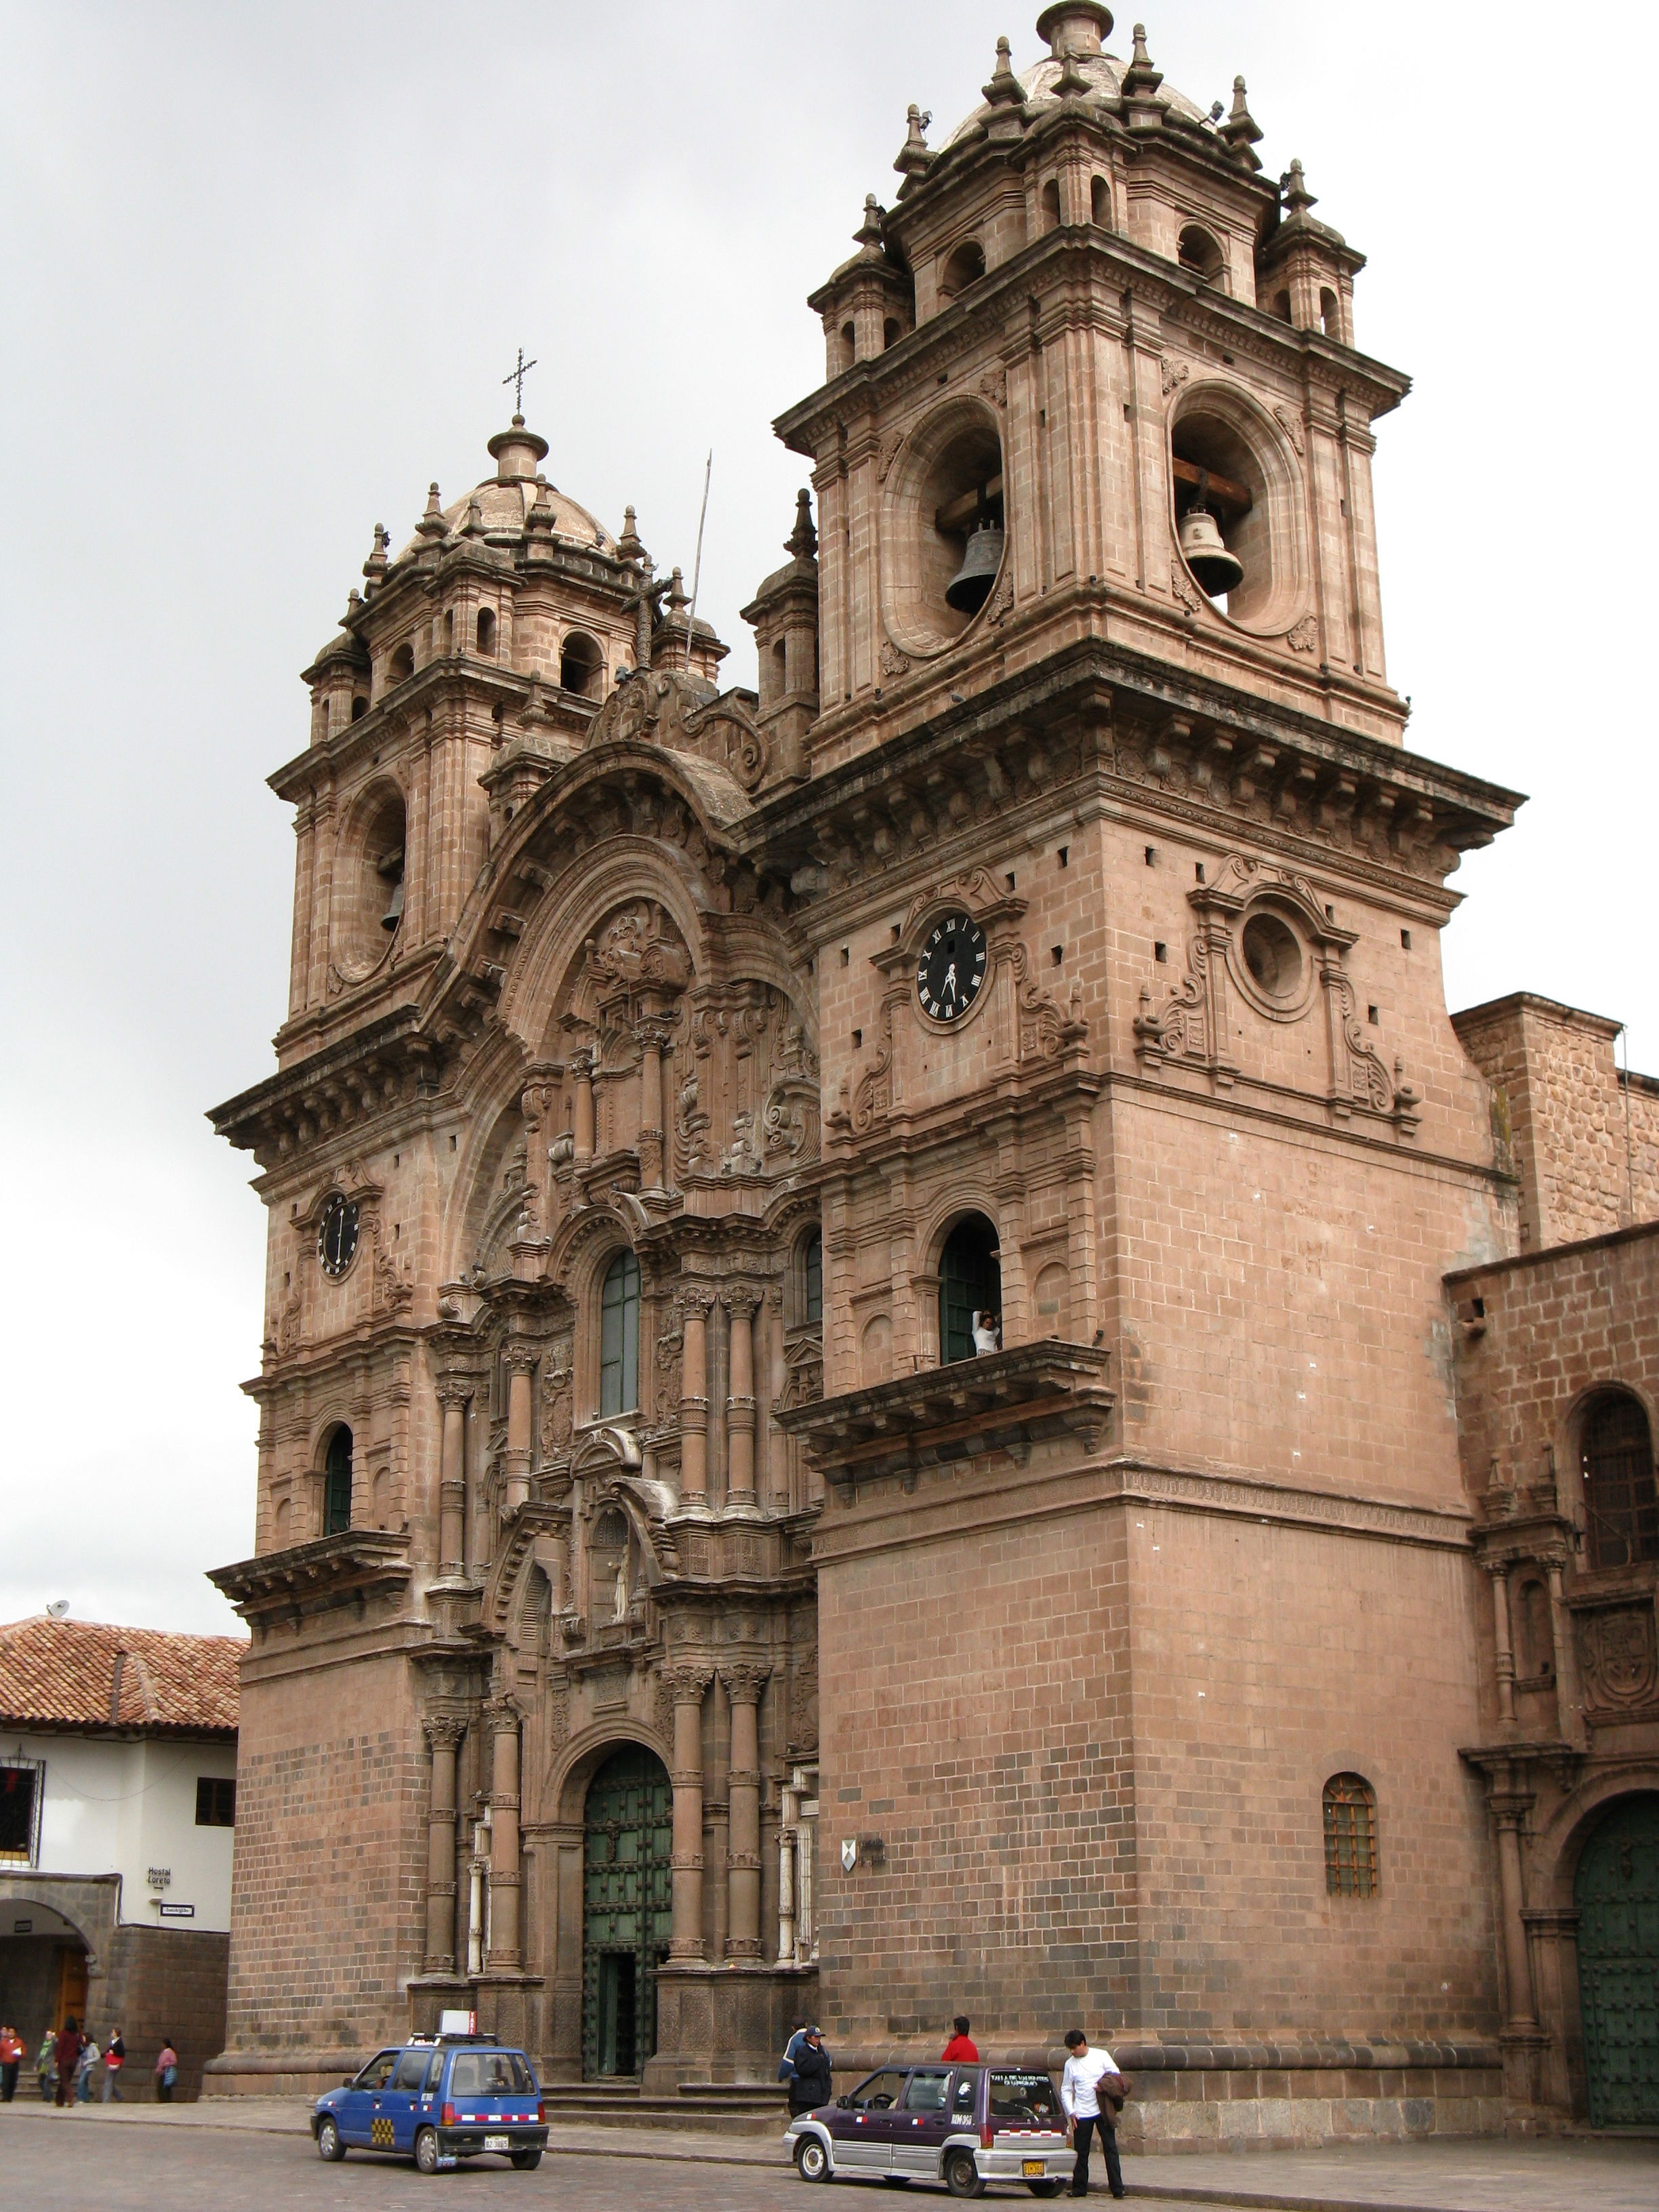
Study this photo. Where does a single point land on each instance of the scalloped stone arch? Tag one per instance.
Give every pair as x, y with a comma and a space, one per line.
1284, 481
1561, 1842
632, 869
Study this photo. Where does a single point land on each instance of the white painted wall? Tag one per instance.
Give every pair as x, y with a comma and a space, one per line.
118, 1806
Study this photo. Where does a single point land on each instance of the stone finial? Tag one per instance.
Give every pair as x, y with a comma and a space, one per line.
1073, 81
1293, 185
1140, 79
629, 545
377, 563
677, 596
914, 156
1241, 131
474, 525
868, 232
803, 539
432, 522
1004, 90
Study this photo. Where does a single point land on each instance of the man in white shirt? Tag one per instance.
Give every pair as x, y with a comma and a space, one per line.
1090, 2077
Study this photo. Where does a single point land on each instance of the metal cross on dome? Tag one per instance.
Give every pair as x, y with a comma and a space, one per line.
516, 378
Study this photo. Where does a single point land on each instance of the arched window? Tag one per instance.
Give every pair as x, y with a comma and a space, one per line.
965, 265
580, 664
970, 1284
1621, 1506
1051, 205
1330, 314
780, 668
1350, 1836
359, 707
619, 1336
336, 1483
811, 1280
892, 333
1198, 251
403, 663
1100, 203
486, 633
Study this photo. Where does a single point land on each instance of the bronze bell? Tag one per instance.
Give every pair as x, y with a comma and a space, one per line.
1205, 551
394, 909
970, 587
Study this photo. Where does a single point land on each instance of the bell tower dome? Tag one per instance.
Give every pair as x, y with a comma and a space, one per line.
1092, 377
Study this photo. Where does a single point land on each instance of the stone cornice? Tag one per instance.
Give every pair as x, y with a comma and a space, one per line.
354, 1562
1071, 255
1191, 747
387, 1059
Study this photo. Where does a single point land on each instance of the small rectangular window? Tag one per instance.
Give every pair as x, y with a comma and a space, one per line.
1057, 953
1373, 1016
1065, 856
1160, 952
215, 1802
21, 1786
1198, 871
1151, 856
1011, 879
1406, 940
858, 1039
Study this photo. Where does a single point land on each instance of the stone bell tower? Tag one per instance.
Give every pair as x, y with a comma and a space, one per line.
1147, 1138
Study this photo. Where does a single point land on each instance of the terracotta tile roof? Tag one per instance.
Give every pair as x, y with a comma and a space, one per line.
84, 1674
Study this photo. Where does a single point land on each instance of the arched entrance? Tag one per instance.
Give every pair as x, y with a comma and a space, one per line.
1616, 1890
627, 1909
44, 1966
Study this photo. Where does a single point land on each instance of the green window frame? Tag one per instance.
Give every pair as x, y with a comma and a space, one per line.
336, 1484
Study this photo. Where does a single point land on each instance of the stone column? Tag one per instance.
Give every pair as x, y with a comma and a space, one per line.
744, 1685
581, 1065
520, 1359
1568, 1698
741, 1301
1498, 1573
654, 1036
687, 1686
454, 1393
443, 1734
694, 1398
505, 1953
1509, 1809
777, 1382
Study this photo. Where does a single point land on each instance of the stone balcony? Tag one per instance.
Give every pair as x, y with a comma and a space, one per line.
330, 1570
1003, 1401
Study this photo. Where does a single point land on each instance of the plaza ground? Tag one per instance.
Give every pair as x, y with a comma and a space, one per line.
257, 2150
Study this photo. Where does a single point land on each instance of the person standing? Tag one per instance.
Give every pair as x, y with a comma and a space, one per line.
66, 2051
84, 2066
46, 2064
961, 2049
11, 2058
1086, 2087
115, 2057
167, 2071
812, 2083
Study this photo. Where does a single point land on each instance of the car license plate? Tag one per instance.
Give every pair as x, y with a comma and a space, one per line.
1034, 2167
495, 2143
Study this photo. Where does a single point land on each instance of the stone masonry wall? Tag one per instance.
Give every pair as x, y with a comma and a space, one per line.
1584, 1139
1555, 1326
327, 1917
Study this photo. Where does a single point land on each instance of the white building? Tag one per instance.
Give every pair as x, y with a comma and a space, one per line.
117, 1797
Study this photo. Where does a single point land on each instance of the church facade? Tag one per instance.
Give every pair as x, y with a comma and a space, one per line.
872, 1402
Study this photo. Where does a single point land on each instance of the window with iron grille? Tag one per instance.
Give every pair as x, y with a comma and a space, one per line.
1350, 1836
22, 1785
1621, 1504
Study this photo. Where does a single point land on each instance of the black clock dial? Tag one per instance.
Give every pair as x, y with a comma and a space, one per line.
337, 1239
952, 970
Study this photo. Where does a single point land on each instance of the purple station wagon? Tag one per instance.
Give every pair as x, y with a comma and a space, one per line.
963, 2125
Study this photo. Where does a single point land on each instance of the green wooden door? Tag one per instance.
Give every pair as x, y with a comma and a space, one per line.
628, 1910
1616, 1892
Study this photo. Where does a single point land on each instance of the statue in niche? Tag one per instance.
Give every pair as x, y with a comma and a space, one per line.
619, 1606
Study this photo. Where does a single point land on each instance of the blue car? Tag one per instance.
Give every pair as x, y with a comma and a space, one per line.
437, 2101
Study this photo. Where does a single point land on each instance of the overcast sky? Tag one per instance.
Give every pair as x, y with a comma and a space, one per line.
264, 267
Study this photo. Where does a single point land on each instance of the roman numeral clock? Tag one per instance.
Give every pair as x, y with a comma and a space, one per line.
951, 970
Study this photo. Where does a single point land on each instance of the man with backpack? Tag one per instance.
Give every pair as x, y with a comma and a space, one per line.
806, 2069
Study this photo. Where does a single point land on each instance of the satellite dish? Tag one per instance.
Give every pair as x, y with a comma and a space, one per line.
59, 1610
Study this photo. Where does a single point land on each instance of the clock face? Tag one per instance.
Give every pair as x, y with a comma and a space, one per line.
952, 970
337, 1239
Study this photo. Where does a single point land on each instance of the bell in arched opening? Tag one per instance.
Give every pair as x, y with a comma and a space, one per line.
1206, 553
394, 905
969, 588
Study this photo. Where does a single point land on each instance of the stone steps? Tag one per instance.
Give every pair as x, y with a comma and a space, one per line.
746, 2108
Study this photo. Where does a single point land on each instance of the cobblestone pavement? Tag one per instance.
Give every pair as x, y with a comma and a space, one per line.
257, 2152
